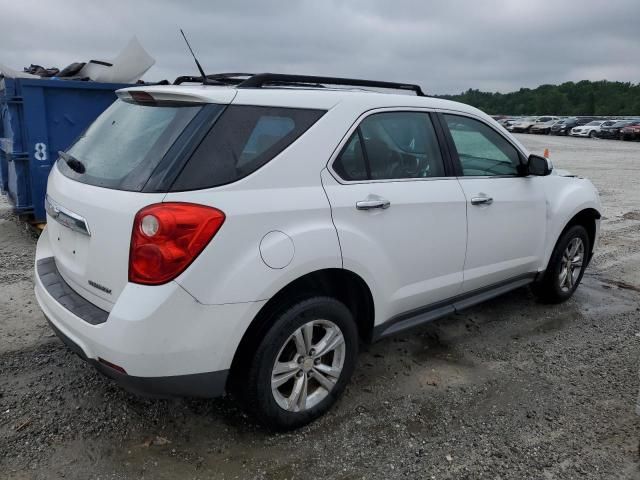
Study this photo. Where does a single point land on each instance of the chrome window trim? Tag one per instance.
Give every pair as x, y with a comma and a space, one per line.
484, 122
353, 128
66, 217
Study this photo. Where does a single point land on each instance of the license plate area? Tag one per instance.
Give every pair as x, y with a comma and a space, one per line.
70, 248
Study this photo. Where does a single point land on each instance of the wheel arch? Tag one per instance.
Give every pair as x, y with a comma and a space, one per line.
344, 285
587, 217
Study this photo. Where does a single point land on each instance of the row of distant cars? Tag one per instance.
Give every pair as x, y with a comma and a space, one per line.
618, 129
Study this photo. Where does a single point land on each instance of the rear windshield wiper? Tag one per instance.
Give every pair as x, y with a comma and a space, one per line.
73, 163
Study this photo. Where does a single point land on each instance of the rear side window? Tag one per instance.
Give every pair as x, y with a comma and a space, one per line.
242, 140
122, 147
391, 145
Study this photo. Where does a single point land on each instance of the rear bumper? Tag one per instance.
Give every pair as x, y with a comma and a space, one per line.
205, 385
166, 342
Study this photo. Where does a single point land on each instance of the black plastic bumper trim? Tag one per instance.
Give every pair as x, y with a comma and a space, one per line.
202, 385
60, 290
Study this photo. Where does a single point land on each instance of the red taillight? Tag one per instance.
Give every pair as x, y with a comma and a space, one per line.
167, 237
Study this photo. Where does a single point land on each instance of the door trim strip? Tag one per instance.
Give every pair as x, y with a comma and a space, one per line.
434, 311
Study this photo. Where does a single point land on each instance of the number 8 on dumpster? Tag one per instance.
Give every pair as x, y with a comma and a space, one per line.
41, 152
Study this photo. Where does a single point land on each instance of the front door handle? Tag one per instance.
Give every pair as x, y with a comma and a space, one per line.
484, 200
371, 204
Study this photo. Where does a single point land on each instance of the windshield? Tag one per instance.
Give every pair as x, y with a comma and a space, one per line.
593, 124
123, 146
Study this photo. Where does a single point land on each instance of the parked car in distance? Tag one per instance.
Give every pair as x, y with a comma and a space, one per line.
564, 127
249, 237
613, 131
590, 129
508, 122
543, 128
525, 124
630, 132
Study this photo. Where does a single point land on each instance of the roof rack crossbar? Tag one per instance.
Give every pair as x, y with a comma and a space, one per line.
259, 80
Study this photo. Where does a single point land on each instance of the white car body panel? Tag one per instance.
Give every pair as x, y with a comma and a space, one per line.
412, 252
500, 245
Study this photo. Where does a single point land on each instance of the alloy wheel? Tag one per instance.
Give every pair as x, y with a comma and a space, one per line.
571, 264
308, 365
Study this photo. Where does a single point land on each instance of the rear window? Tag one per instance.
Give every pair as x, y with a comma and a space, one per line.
124, 145
242, 140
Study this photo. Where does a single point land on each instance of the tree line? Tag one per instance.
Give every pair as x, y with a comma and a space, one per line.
570, 98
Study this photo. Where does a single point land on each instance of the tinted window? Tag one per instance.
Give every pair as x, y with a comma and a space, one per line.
242, 140
395, 145
481, 150
122, 147
350, 165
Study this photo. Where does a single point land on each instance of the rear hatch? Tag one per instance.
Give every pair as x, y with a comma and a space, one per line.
123, 162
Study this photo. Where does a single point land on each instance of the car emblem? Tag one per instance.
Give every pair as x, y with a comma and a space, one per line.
99, 287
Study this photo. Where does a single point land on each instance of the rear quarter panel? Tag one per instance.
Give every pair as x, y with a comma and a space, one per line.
285, 195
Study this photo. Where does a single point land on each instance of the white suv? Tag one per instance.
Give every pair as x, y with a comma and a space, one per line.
247, 236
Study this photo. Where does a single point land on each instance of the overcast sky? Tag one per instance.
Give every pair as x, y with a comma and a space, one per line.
447, 46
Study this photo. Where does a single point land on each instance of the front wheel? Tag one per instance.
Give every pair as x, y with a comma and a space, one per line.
303, 364
566, 266
592, 134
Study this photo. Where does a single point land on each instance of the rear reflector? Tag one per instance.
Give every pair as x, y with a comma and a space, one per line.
112, 366
167, 237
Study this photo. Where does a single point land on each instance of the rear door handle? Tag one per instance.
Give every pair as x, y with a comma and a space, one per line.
371, 204
484, 200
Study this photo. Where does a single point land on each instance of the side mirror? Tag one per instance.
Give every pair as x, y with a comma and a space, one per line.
537, 165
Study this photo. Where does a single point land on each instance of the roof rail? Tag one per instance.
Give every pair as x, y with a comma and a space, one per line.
215, 79
259, 80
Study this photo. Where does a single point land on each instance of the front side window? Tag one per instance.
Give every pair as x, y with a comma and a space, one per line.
482, 151
391, 145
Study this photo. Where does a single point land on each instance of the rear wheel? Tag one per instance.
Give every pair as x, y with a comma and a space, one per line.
303, 364
566, 266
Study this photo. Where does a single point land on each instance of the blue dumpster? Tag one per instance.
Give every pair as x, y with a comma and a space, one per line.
38, 118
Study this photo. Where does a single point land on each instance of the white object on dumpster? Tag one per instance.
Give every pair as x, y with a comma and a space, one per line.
132, 62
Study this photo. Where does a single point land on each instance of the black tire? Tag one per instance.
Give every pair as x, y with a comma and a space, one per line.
592, 134
549, 289
257, 394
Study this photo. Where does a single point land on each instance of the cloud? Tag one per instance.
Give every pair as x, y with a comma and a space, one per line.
447, 47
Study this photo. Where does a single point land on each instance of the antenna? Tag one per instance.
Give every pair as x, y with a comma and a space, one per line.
204, 77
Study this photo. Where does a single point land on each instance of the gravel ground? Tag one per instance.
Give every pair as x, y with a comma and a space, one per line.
509, 389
